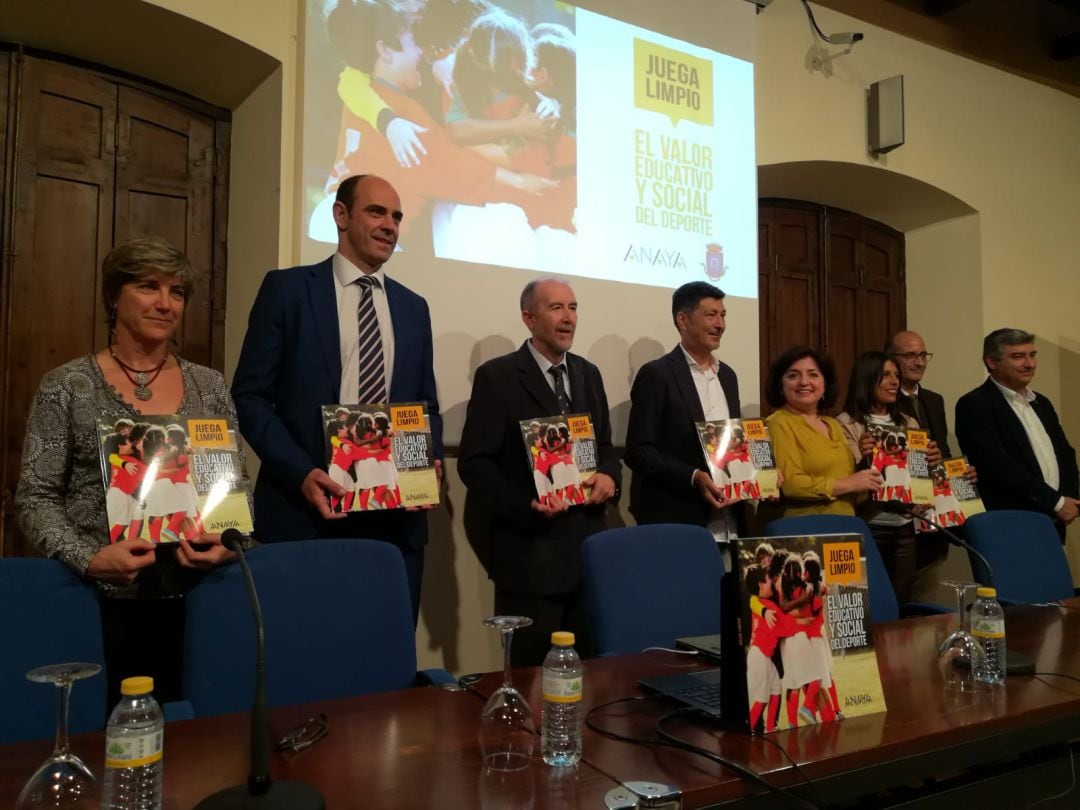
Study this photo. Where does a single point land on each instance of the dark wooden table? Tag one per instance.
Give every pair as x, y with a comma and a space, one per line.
418, 748
1000, 742
412, 749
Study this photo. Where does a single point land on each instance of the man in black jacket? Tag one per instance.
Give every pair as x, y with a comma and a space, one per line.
928, 409
1012, 434
535, 547
670, 481
925, 406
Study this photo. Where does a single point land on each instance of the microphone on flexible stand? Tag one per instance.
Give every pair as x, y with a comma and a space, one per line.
1016, 663
955, 540
260, 791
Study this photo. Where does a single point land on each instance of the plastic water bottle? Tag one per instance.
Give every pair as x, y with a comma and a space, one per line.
560, 716
133, 749
988, 626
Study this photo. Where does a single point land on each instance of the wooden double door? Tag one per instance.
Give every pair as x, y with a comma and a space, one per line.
828, 279
90, 160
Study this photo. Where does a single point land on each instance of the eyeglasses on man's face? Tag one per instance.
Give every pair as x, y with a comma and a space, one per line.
925, 357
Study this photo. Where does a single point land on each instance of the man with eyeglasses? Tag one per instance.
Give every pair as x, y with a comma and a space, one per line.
928, 409
923, 405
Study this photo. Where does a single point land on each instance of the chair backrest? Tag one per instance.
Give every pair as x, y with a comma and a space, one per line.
648, 585
1025, 552
51, 617
883, 604
338, 620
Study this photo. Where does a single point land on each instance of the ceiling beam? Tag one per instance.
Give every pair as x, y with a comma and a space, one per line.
1068, 5
1066, 47
939, 8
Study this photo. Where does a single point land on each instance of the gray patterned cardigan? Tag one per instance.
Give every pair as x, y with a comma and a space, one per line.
60, 500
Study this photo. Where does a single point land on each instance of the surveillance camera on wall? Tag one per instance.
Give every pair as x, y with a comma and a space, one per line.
844, 38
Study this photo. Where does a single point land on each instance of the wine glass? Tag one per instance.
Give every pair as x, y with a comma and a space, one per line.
507, 727
960, 654
63, 781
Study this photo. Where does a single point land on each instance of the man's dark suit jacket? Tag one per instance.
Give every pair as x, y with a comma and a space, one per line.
994, 441
530, 554
662, 446
934, 406
290, 366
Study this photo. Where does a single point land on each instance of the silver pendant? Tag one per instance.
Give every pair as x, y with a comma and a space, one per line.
141, 379
141, 391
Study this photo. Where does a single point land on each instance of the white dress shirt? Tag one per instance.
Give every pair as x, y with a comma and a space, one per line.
714, 406
347, 292
1020, 401
545, 366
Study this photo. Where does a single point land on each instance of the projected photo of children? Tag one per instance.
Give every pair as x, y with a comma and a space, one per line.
468, 107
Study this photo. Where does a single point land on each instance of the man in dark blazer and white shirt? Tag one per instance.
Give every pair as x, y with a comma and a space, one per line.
670, 482
535, 549
302, 351
1012, 434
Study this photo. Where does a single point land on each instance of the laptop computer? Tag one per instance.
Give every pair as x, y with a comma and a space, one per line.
696, 690
705, 646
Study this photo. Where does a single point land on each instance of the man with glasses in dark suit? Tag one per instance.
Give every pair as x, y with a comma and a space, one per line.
928, 409
923, 405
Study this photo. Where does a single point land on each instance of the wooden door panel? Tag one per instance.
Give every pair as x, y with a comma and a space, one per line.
882, 248
842, 341
157, 214
766, 305
158, 152
875, 319
767, 345
71, 129
63, 195
790, 297
842, 258
797, 243
165, 187
794, 300
835, 281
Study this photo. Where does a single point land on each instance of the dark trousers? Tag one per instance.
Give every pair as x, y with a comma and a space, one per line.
143, 637
562, 611
897, 546
932, 547
414, 569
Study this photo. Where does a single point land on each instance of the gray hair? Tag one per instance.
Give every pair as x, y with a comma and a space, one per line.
994, 343
131, 260
528, 295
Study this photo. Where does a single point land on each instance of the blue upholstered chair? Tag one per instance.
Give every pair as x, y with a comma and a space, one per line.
50, 617
883, 604
1024, 549
338, 622
648, 585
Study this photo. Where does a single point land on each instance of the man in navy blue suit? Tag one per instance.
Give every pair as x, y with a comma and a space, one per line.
670, 394
309, 344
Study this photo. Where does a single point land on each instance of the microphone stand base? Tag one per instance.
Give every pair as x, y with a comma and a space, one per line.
1016, 663
280, 796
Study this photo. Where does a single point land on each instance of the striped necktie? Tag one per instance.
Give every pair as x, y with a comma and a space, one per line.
372, 378
559, 373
